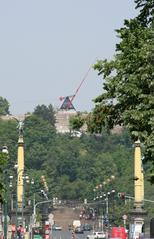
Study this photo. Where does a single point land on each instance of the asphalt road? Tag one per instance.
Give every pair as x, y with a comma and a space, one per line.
67, 235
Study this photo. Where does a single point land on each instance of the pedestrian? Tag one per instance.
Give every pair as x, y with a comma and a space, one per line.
20, 232
73, 235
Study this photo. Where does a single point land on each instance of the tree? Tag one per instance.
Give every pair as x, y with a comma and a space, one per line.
3, 162
46, 113
38, 135
147, 11
127, 97
77, 121
4, 106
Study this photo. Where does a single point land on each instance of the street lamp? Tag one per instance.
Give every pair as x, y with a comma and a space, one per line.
94, 190
36, 205
107, 202
25, 179
5, 150
11, 186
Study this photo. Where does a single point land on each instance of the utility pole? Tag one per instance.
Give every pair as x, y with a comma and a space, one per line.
45, 195
5, 151
5, 211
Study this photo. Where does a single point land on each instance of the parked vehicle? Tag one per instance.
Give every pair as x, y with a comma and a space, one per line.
95, 235
120, 232
79, 230
87, 227
76, 223
56, 227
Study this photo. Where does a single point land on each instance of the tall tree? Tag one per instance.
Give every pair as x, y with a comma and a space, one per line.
38, 135
147, 11
46, 113
4, 106
3, 162
128, 88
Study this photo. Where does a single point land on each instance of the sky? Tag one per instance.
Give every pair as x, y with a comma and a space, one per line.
47, 47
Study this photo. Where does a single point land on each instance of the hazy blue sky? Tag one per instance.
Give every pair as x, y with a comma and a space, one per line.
47, 46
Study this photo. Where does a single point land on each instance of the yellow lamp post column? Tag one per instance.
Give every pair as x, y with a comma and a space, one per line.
20, 163
138, 177
20, 171
138, 213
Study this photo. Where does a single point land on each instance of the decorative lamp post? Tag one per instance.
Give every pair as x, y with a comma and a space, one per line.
20, 172
138, 213
10, 186
94, 190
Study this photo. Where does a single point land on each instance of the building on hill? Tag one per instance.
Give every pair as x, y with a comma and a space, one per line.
63, 115
62, 120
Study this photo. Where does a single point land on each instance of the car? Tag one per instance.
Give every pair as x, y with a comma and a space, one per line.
96, 235
87, 227
56, 227
79, 230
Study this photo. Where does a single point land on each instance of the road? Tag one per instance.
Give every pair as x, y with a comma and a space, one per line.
67, 235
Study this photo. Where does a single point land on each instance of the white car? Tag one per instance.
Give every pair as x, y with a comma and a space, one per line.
95, 235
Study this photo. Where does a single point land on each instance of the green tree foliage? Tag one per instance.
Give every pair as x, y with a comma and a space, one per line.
89, 159
77, 121
147, 11
68, 162
3, 162
8, 137
46, 113
4, 106
128, 84
39, 134
127, 97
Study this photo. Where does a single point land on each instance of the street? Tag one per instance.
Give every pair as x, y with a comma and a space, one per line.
66, 234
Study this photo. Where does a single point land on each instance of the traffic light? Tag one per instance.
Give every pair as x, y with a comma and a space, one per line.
121, 195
